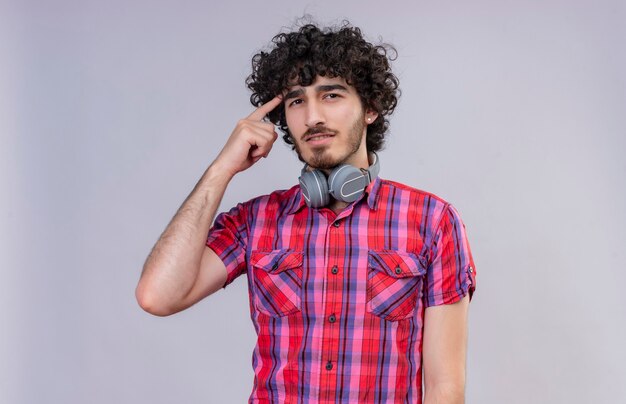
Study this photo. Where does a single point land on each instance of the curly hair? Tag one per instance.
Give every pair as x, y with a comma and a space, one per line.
300, 56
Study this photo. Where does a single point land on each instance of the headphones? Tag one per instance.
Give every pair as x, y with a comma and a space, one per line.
345, 183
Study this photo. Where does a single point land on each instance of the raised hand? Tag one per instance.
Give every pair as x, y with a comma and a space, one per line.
251, 139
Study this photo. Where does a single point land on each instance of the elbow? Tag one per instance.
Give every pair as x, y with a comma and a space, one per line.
151, 303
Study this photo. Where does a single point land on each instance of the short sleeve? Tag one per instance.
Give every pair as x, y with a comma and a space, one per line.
451, 274
228, 239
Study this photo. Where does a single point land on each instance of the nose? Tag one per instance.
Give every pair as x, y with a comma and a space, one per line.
314, 115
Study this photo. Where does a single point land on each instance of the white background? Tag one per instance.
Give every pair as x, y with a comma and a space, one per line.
514, 111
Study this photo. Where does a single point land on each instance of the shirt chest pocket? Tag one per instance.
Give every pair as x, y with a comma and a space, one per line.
277, 281
394, 283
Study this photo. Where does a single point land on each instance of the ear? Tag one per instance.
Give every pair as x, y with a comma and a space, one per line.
370, 116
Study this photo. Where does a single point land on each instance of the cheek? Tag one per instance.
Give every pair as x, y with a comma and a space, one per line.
349, 114
291, 120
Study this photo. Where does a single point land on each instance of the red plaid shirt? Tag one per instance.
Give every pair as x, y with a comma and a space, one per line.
338, 301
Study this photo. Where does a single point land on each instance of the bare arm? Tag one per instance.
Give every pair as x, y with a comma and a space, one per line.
180, 270
444, 352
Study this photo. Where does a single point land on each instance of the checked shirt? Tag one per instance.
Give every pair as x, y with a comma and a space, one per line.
338, 300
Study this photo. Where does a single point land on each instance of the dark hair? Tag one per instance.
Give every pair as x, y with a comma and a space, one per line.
300, 56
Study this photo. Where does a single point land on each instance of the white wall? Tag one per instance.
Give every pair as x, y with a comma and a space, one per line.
110, 112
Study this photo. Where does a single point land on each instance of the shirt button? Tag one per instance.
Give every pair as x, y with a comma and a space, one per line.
398, 270
335, 270
329, 365
471, 269
337, 223
332, 318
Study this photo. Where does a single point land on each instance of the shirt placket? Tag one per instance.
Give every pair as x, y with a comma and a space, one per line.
332, 309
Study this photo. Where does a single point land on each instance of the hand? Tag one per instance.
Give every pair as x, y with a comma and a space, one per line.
251, 139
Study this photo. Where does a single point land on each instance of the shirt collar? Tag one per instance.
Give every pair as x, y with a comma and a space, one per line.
297, 202
372, 191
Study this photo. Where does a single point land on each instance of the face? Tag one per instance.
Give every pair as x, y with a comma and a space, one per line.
327, 123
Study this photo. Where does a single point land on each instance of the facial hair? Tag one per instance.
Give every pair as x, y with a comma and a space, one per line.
323, 160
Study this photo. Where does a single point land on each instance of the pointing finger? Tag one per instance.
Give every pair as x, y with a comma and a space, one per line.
259, 113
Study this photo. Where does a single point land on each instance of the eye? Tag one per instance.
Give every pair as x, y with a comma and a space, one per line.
295, 102
332, 95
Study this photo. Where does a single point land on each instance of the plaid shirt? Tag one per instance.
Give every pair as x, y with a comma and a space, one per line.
338, 301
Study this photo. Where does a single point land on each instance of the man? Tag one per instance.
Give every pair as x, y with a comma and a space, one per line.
358, 285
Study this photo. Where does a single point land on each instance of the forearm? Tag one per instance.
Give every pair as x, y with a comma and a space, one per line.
172, 266
450, 393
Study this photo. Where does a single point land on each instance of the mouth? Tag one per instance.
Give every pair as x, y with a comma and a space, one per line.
318, 136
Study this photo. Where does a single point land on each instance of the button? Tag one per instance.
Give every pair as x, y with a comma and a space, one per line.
337, 223
471, 269
398, 270
329, 365
332, 318
335, 270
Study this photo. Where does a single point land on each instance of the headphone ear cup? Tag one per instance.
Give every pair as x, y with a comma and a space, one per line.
347, 183
314, 188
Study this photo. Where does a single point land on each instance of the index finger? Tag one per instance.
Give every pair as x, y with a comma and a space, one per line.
259, 113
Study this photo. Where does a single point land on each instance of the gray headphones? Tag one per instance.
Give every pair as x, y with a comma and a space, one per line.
345, 183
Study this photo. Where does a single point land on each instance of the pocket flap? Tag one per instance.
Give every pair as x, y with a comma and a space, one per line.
398, 264
276, 261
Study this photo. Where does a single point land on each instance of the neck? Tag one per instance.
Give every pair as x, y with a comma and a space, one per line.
337, 206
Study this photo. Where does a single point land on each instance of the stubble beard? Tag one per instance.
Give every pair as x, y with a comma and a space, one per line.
322, 158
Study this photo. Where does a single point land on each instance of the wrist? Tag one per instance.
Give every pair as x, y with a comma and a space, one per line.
218, 175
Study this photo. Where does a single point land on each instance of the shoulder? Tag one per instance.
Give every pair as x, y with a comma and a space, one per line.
426, 205
405, 191
280, 200
397, 186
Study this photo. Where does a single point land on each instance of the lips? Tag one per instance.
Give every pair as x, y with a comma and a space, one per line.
318, 136
318, 133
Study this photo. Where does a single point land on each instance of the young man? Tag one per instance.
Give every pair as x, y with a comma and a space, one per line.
358, 285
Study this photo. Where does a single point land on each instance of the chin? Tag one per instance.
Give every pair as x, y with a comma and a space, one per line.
324, 160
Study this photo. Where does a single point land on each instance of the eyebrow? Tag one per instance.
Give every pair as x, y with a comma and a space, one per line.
320, 89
